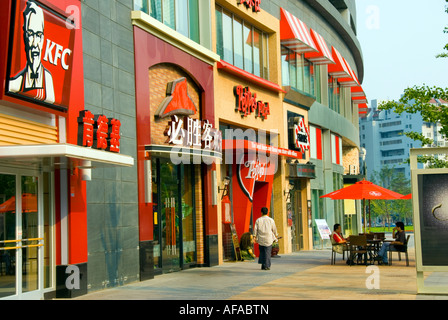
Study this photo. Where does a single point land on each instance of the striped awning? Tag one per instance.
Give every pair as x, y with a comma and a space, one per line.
349, 81
357, 91
323, 56
294, 34
339, 69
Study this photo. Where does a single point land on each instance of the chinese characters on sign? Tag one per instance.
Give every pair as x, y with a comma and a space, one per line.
98, 132
254, 4
188, 132
246, 103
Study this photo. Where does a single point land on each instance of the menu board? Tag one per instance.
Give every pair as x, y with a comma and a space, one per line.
323, 228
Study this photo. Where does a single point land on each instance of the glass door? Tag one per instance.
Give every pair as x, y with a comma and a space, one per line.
169, 211
21, 239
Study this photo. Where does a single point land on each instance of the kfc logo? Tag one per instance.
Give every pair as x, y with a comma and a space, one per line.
41, 55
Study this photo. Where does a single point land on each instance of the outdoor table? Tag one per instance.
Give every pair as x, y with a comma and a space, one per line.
373, 246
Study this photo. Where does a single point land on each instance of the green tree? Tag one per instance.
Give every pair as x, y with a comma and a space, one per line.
417, 99
392, 210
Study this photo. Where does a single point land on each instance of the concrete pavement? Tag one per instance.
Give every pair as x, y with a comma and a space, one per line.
305, 275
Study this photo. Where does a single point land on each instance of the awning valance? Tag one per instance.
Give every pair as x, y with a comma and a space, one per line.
50, 155
323, 56
294, 34
357, 91
339, 69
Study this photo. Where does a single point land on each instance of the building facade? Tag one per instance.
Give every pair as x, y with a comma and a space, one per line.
178, 121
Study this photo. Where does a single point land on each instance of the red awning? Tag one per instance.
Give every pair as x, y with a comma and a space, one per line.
339, 69
360, 100
357, 91
323, 56
294, 34
351, 81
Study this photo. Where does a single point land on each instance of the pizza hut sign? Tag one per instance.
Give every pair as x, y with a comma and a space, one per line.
246, 103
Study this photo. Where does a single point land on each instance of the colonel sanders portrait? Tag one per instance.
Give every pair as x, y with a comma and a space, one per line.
34, 80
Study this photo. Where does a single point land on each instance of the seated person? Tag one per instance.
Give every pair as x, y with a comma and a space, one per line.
400, 239
247, 246
338, 239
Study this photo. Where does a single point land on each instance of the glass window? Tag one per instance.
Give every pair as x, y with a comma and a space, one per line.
180, 15
298, 72
238, 44
249, 40
193, 11
227, 38
245, 47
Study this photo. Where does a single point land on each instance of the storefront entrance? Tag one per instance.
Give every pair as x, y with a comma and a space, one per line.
175, 210
24, 261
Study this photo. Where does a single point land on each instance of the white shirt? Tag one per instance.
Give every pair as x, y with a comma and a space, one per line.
265, 231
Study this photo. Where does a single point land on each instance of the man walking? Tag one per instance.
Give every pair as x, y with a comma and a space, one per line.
265, 233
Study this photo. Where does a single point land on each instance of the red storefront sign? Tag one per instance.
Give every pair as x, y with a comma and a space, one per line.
98, 132
41, 55
250, 172
246, 103
254, 4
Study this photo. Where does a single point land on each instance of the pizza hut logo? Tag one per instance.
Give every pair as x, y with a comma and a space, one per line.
177, 101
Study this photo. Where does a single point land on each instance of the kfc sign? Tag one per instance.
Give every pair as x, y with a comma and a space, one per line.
98, 132
246, 103
254, 4
41, 55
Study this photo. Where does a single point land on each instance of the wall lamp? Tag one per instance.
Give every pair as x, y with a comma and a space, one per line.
288, 191
225, 190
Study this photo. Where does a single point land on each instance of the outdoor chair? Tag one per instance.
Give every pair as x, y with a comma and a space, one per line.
379, 235
401, 249
358, 248
337, 248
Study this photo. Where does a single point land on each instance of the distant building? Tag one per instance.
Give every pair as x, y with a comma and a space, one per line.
382, 135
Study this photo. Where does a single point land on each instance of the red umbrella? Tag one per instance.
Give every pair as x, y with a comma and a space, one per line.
407, 197
29, 204
363, 190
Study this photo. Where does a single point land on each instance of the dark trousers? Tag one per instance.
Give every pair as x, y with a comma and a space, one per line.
265, 256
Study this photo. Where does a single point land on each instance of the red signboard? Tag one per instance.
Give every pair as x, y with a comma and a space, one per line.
98, 132
41, 54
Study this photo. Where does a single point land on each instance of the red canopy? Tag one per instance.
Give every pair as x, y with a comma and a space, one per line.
407, 197
363, 190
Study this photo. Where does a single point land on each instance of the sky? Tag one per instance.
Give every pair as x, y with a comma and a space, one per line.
399, 41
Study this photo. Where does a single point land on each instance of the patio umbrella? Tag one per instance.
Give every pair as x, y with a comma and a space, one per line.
407, 197
29, 204
364, 190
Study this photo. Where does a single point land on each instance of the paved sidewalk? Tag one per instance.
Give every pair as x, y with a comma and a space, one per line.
305, 275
